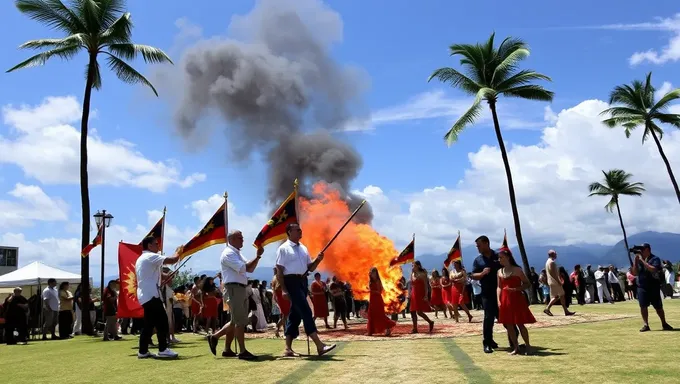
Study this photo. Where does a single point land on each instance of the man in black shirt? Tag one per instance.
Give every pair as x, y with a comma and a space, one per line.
649, 271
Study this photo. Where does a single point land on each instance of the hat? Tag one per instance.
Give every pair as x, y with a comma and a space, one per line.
600, 267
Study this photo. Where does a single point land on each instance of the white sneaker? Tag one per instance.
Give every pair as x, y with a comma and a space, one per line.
145, 355
167, 354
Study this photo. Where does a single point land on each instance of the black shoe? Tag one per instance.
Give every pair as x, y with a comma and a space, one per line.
245, 355
487, 349
212, 343
644, 328
493, 345
228, 353
667, 327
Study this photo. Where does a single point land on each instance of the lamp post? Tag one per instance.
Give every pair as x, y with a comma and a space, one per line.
106, 218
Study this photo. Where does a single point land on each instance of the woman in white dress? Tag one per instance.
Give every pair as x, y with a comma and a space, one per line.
259, 312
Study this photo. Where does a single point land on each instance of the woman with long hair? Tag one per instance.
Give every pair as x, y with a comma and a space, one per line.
436, 300
378, 321
281, 301
513, 306
339, 302
446, 292
458, 297
419, 302
65, 311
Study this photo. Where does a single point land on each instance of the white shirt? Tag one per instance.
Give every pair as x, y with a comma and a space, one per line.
599, 278
148, 271
670, 277
612, 278
50, 298
233, 266
294, 258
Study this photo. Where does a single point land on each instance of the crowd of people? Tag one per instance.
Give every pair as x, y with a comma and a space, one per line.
496, 285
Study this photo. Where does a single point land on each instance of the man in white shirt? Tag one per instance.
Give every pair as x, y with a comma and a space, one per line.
292, 264
50, 298
556, 290
235, 282
600, 281
148, 271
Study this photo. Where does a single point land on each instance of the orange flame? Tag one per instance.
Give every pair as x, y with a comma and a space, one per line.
356, 250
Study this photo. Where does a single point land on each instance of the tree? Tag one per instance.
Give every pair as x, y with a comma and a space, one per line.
490, 72
96, 27
183, 278
616, 184
633, 106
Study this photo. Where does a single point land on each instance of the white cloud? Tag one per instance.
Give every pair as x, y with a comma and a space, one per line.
30, 204
438, 105
670, 52
45, 146
551, 180
664, 89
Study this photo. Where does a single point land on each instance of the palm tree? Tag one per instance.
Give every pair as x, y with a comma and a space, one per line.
635, 107
96, 27
490, 72
617, 183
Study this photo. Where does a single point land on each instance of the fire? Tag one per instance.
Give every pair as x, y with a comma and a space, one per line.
356, 250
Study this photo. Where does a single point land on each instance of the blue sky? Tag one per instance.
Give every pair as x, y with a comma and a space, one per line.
585, 47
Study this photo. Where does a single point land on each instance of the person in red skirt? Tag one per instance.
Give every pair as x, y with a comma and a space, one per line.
378, 321
419, 302
458, 296
282, 301
436, 299
318, 292
446, 292
513, 307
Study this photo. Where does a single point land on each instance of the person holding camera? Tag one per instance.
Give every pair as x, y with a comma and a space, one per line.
648, 269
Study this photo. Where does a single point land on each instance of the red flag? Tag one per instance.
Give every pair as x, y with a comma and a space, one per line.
407, 255
214, 232
454, 254
505, 240
275, 229
157, 233
128, 305
97, 241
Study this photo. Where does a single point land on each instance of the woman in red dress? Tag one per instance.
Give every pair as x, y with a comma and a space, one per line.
436, 300
318, 292
446, 292
513, 307
209, 303
418, 301
282, 302
378, 321
458, 296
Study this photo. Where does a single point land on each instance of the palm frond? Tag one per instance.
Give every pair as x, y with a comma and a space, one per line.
530, 92
668, 118
472, 60
75, 39
456, 80
131, 51
52, 13
520, 78
127, 74
88, 11
510, 53
616, 183
468, 117
662, 104
109, 11
647, 91
97, 79
119, 32
41, 58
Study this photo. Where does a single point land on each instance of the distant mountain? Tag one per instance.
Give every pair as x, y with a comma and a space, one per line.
665, 245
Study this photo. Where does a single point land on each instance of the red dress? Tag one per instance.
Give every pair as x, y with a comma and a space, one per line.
446, 290
209, 306
513, 307
283, 302
419, 301
378, 322
458, 295
319, 299
436, 299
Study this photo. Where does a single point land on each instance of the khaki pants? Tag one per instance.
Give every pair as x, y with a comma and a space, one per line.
111, 327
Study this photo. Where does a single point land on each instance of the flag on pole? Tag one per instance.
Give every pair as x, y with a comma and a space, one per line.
97, 241
157, 232
407, 255
455, 254
275, 229
128, 305
214, 232
505, 239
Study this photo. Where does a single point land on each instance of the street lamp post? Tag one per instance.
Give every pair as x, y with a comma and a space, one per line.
106, 218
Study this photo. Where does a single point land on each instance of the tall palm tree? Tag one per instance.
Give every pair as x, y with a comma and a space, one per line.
633, 106
489, 72
616, 184
96, 27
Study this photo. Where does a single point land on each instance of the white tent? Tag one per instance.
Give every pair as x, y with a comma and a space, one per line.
36, 273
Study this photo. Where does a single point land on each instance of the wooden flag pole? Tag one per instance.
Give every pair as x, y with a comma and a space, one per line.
344, 225
163, 231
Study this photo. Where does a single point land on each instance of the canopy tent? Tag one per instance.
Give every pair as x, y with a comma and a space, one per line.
36, 273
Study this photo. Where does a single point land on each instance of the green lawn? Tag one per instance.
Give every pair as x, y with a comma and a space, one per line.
603, 352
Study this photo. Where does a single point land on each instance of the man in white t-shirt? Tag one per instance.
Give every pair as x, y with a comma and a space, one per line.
148, 271
50, 298
292, 264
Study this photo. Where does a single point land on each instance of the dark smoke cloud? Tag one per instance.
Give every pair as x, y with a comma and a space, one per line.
279, 92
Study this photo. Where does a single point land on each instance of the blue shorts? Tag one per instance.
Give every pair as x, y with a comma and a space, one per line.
647, 297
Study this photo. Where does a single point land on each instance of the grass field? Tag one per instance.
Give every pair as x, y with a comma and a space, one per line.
604, 352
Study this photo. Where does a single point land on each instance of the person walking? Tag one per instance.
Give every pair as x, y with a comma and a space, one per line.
649, 271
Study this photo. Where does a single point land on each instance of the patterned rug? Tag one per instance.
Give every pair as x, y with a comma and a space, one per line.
442, 328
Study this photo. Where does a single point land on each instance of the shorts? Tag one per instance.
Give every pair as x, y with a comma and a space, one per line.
237, 299
556, 290
647, 297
